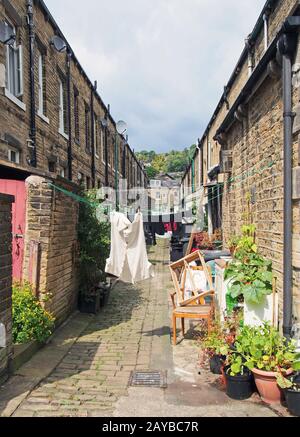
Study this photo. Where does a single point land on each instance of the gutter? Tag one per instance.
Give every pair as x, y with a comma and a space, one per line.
249, 86
269, 5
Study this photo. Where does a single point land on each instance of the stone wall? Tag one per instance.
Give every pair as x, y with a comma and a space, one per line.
51, 144
5, 279
51, 237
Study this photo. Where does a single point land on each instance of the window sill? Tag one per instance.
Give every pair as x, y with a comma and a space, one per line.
15, 100
43, 117
63, 134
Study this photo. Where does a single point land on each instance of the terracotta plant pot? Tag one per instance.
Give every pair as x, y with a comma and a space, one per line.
267, 387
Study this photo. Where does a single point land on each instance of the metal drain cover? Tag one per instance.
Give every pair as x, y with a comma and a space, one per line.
148, 379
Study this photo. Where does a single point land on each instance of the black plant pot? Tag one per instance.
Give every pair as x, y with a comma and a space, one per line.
292, 398
90, 304
239, 387
216, 363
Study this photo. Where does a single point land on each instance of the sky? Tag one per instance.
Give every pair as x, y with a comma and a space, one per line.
160, 64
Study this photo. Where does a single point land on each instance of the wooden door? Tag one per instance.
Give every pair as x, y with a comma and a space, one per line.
18, 190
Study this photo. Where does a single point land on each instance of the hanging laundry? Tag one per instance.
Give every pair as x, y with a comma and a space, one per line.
128, 257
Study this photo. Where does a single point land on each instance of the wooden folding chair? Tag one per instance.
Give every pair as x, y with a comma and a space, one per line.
194, 307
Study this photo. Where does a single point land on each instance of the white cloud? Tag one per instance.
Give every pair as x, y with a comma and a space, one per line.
161, 64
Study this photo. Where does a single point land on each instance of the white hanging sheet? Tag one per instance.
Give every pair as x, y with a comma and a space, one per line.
128, 257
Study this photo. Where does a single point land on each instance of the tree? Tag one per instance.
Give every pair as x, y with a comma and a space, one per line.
160, 163
151, 172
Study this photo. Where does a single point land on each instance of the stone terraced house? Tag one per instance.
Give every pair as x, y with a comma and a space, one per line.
56, 134
247, 161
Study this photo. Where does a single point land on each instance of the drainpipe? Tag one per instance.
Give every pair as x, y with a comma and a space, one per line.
199, 162
93, 168
106, 147
249, 45
70, 154
286, 47
266, 30
33, 159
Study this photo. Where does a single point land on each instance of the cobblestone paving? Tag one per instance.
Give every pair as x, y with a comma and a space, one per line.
95, 372
84, 371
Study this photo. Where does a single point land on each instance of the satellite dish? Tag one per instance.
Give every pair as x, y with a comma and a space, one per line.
121, 127
7, 35
59, 44
104, 122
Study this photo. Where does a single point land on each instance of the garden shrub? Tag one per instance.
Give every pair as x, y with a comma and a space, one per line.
94, 244
30, 320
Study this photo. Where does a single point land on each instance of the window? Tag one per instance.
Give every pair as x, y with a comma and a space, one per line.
76, 115
51, 166
63, 113
87, 130
14, 156
88, 182
96, 136
99, 184
14, 67
42, 85
62, 172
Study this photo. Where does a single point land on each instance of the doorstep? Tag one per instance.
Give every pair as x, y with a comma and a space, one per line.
22, 354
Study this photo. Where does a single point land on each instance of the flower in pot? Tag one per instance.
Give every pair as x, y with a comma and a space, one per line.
265, 351
291, 387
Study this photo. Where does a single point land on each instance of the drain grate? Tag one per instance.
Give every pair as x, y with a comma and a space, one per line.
148, 379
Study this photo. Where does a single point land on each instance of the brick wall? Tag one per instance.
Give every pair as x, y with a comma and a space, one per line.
5, 278
52, 225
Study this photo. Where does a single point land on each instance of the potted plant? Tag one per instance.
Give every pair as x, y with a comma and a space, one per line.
265, 351
291, 387
250, 274
216, 348
104, 293
94, 242
233, 244
239, 379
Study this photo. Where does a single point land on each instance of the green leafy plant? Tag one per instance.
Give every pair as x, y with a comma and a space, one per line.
232, 243
251, 278
250, 274
236, 364
264, 348
246, 244
286, 383
30, 320
214, 344
94, 244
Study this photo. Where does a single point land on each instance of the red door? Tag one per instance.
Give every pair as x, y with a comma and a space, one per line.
17, 189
